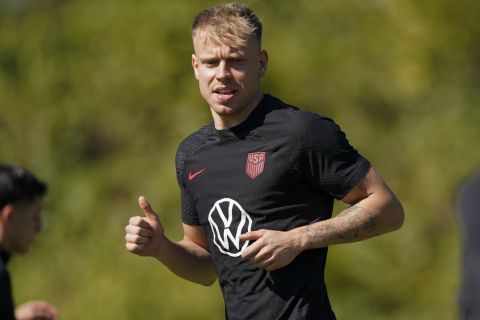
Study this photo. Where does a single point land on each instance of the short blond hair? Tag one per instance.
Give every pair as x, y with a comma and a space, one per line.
231, 23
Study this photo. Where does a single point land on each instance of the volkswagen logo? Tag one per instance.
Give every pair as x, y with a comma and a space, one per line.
228, 221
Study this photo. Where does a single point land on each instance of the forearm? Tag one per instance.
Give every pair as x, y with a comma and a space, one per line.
188, 261
369, 217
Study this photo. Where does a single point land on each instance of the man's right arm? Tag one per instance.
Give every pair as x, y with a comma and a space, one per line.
188, 258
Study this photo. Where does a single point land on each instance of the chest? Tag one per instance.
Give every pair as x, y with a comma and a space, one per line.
237, 186
248, 171
258, 174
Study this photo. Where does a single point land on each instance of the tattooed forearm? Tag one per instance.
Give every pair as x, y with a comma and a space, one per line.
358, 223
352, 224
323, 232
375, 210
353, 209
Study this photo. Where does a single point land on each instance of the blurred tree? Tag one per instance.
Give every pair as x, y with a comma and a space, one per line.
95, 96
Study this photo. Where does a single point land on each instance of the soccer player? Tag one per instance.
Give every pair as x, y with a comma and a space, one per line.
258, 185
21, 195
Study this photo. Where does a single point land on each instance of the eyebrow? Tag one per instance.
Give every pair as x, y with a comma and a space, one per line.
233, 56
209, 59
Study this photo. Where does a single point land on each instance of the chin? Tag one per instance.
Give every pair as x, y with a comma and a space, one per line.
223, 110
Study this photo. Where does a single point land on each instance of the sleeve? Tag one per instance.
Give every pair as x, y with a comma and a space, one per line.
189, 215
327, 158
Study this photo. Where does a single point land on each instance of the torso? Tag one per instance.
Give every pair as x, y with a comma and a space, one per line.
250, 178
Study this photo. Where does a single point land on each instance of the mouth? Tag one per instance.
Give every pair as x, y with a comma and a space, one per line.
224, 94
224, 91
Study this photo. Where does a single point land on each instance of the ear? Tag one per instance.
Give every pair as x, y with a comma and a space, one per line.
6, 213
263, 63
195, 65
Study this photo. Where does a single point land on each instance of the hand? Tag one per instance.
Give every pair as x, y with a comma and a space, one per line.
272, 249
36, 310
144, 235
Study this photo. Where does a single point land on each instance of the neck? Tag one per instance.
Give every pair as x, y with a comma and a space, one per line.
227, 121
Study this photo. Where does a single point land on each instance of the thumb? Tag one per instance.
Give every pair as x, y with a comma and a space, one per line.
147, 209
252, 235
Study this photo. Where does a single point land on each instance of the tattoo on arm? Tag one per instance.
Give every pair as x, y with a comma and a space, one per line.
357, 224
352, 224
374, 211
324, 232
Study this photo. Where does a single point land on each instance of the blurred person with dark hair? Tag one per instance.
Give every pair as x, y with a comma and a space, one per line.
258, 186
468, 204
21, 197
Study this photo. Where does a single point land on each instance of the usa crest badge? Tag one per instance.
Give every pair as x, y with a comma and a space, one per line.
255, 164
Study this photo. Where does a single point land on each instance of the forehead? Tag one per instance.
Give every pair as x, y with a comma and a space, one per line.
204, 43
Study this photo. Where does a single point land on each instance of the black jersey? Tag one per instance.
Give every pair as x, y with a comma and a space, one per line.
279, 169
6, 300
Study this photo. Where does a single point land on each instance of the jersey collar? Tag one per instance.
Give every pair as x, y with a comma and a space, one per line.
255, 119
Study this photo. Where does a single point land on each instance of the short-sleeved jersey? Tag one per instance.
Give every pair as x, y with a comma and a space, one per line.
6, 300
279, 169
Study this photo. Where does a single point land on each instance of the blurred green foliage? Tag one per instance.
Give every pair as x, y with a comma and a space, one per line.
96, 95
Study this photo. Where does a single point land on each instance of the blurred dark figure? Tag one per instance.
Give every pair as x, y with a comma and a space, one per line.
21, 197
468, 206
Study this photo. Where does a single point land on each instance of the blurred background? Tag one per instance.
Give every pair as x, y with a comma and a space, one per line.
96, 95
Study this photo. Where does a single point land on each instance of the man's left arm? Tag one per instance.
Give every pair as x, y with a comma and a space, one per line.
374, 210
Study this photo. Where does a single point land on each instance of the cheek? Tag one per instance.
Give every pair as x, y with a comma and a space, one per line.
205, 74
245, 77
204, 81
204, 88
246, 80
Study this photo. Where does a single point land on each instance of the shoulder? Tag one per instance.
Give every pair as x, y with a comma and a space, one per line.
193, 142
309, 123
189, 146
303, 125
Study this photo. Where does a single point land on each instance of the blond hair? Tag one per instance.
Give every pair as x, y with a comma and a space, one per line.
230, 23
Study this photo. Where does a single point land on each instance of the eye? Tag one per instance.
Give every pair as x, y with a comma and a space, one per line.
237, 60
210, 63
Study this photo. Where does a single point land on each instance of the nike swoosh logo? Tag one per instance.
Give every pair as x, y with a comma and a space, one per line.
192, 176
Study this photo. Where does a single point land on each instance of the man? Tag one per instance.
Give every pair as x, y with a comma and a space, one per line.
21, 197
258, 185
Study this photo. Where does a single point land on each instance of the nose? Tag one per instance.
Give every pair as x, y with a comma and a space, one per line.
38, 223
223, 70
